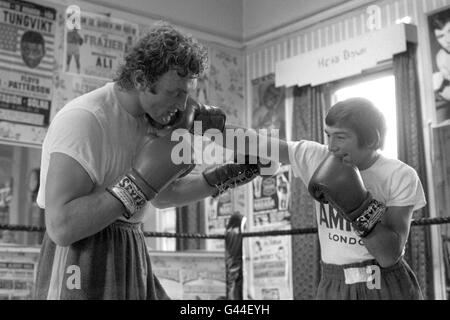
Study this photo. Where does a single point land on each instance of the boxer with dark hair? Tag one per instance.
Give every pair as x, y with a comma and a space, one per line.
364, 206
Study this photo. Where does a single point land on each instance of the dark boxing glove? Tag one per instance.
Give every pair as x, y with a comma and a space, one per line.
208, 116
341, 185
231, 175
152, 171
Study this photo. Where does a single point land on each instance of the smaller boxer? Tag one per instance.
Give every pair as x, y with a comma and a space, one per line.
364, 206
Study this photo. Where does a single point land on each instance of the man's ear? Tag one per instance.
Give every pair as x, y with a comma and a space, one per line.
139, 81
376, 141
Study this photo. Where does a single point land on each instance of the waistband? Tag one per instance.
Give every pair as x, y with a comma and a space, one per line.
121, 224
356, 272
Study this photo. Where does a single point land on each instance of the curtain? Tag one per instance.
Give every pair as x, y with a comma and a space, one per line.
411, 151
310, 104
441, 174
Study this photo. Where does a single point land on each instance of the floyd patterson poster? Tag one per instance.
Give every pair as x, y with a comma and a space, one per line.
27, 41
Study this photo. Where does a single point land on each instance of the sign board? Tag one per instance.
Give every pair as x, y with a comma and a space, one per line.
344, 59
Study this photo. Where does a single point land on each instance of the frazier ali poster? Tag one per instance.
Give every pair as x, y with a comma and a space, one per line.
95, 45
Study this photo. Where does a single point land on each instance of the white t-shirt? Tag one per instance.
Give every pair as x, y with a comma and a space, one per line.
99, 134
390, 181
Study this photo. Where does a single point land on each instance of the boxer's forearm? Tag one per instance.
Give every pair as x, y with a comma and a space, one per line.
244, 141
388, 238
189, 189
81, 217
385, 245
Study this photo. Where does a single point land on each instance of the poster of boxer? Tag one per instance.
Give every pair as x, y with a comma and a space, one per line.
218, 211
27, 41
270, 261
269, 265
268, 105
439, 29
96, 45
271, 200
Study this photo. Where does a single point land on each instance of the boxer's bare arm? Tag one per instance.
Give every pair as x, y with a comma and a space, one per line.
183, 191
254, 144
72, 211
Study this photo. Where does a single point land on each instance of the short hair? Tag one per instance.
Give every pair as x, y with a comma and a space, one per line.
162, 49
439, 20
33, 37
362, 117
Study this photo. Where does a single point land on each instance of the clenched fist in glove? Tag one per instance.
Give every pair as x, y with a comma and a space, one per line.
341, 185
208, 116
152, 171
231, 175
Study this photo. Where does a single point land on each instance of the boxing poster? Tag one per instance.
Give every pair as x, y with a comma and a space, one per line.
271, 197
27, 46
439, 34
95, 45
269, 268
70, 86
18, 267
268, 105
218, 211
190, 276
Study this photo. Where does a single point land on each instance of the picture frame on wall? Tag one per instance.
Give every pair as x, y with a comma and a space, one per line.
439, 35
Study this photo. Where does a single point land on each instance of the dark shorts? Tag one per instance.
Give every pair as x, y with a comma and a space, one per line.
112, 264
368, 281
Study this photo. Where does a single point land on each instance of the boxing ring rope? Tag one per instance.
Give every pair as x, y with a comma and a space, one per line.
233, 245
307, 230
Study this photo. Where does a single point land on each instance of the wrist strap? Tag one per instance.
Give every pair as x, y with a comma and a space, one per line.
227, 179
365, 223
131, 196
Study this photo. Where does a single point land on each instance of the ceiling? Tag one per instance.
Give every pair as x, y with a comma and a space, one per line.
236, 20
262, 16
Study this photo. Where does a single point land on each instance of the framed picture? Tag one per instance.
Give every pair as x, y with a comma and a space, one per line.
268, 105
439, 29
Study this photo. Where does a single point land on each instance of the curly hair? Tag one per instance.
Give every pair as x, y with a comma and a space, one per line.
162, 49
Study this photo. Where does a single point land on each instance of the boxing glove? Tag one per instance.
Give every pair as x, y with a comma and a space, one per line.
341, 185
208, 116
231, 175
152, 171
